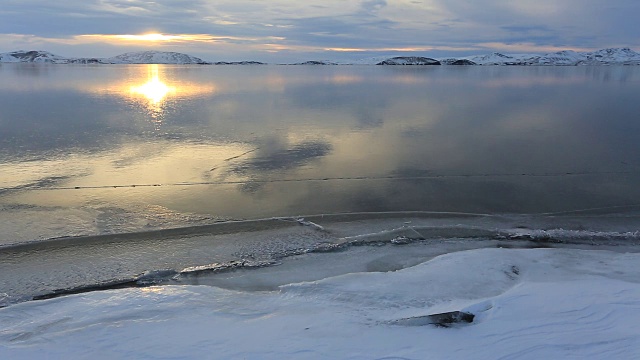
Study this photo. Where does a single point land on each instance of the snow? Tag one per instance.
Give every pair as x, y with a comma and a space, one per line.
31, 56
368, 61
529, 304
140, 57
409, 60
623, 55
611, 56
492, 59
153, 57
617, 56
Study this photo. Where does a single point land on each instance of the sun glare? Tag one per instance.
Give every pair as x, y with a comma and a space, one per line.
149, 88
150, 37
154, 89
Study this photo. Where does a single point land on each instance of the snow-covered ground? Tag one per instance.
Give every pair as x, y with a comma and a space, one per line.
528, 304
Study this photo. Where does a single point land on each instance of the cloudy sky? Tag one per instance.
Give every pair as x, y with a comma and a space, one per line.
292, 30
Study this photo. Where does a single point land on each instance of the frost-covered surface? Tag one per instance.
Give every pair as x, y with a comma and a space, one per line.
529, 304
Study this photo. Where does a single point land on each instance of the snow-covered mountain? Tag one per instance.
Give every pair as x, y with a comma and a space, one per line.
316, 62
237, 63
366, 61
153, 57
32, 56
567, 57
409, 60
613, 56
495, 58
617, 56
454, 61
141, 57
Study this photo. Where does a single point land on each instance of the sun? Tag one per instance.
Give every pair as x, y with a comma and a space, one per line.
156, 37
154, 89
149, 37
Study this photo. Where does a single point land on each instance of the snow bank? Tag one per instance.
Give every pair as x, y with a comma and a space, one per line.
529, 304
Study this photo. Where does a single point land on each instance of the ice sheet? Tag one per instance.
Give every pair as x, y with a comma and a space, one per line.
529, 304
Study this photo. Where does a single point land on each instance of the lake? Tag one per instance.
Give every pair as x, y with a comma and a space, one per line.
104, 149
106, 160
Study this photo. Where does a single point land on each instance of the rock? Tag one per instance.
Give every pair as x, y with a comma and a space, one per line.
463, 62
238, 63
446, 319
316, 62
409, 60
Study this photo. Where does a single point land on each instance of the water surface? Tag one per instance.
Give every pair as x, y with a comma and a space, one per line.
106, 149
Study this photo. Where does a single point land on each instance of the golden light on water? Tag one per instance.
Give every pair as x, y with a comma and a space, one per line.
154, 89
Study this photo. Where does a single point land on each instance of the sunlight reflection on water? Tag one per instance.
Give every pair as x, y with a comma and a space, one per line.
260, 141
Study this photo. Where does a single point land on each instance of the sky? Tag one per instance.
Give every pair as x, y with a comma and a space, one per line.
297, 30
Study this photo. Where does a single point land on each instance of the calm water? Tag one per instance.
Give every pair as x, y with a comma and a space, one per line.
551, 153
94, 150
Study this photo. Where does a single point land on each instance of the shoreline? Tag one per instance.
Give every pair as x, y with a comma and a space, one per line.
203, 254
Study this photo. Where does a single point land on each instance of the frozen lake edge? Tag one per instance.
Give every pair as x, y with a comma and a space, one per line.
560, 303
227, 254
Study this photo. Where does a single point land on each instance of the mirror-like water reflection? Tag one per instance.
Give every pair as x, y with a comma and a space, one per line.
94, 149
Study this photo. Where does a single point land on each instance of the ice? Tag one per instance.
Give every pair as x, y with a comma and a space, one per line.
223, 254
528, 304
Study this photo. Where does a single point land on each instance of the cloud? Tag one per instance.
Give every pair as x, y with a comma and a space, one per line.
175, 38
372, 6
580, 23
298, 27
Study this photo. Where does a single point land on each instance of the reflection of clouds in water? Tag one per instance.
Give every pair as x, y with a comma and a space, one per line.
357, 99
276, 159
44, 121
29, 69
45, 182
411, 172
490, 195
93, 109
450, 123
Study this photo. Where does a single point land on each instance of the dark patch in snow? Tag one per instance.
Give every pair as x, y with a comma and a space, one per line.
447, 319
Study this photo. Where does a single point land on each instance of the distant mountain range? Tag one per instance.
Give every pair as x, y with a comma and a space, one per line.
614, 56
617, 56
141, 57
